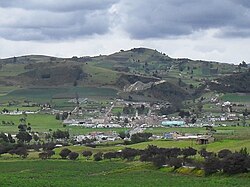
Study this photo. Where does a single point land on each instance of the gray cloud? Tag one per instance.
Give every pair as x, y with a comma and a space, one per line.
174, 18
57, 5
53, 20
28, 20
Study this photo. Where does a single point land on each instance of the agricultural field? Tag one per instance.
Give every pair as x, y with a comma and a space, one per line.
58, 172
48, 94
237, 97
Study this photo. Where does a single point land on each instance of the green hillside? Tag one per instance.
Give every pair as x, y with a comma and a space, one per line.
184, 78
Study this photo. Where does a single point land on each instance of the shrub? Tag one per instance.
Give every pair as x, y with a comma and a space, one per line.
43, 155
87, 154
129, 153
235, 163
64, 153
73, 155
98, 156
140, 137
22, 152
224, 152
50, 153
110, 155
175, 162
212, 165
188, 152
159, 160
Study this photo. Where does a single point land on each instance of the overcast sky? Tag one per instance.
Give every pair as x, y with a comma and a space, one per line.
217, 30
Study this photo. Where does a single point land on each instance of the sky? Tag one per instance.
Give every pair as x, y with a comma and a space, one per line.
216, 30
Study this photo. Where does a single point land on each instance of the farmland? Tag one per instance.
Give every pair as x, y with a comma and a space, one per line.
105, 173
47, 94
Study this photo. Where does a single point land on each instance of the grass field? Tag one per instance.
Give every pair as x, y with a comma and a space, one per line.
56, 173
46, 94
234, 97
44, 122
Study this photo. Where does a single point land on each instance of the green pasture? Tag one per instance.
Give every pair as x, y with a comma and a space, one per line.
236, 97
39, 122
47, 94
20, 108
62, 173
12, 70
101, 75
43, 122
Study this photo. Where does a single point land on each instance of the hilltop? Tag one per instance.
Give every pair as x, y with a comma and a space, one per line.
133, 73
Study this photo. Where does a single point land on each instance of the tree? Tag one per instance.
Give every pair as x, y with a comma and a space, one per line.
46, 154
205, 154
234, 163
36, 137
3, 137
98, 156
109, 155
244, 151
159, 160
64, 153
224, 153
24, 136
11, 140
58, 134
65, 115
22, 152
174, 152
87, 154
22, 127
212, 165
140, 137
43, 155
58, 117
175, 162
129, 153
50, 153
73, 155
188, 152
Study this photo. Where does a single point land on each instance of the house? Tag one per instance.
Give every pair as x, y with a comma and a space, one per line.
205, 139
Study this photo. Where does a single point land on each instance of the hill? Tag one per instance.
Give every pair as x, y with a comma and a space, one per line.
133, 73
238, 82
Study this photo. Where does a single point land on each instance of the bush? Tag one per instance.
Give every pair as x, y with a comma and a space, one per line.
159, 160
235, 163
129, 153
110, 155
140, 137
212, 165
224, 153
188, 152
98, 156
87, 154
50, 153
73, 155
64, 153
43, 155
22, 152
175, 162
46, 154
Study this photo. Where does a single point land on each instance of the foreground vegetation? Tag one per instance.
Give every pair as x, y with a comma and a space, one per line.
104, 173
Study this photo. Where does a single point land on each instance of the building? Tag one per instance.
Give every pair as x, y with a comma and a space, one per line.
173, 123
205, 139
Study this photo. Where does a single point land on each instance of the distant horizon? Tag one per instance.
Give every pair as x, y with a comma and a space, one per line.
47, 55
